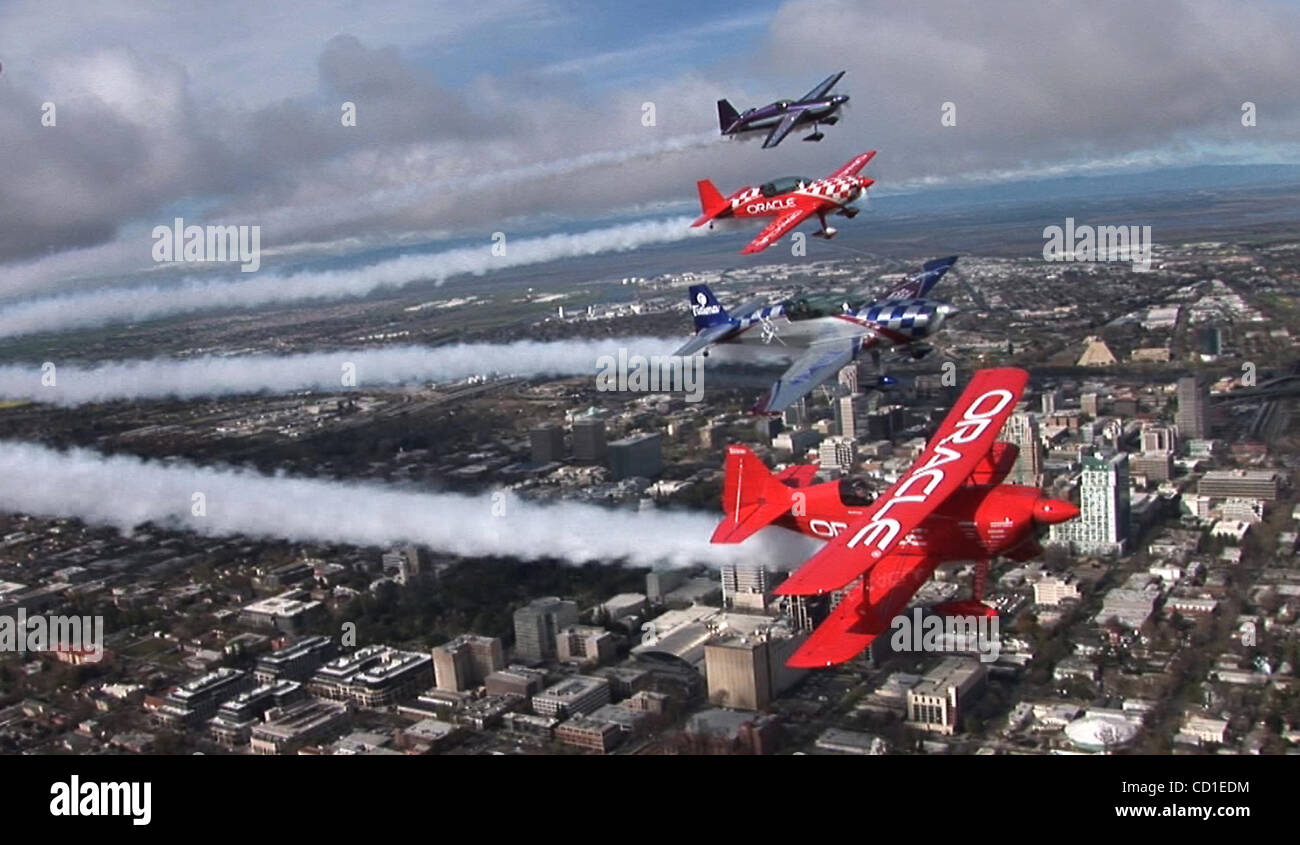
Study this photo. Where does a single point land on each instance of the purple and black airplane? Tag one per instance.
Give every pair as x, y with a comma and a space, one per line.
783, 116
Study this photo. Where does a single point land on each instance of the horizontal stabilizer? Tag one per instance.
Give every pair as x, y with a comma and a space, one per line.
705, 338
748, 520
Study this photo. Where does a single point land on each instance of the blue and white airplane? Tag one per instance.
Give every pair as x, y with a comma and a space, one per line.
826, 337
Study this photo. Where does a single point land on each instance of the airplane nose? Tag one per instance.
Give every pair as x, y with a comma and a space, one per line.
1052, 511
867, 183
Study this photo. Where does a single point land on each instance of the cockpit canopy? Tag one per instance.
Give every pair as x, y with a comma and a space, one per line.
784, 185
855, 491
810, 307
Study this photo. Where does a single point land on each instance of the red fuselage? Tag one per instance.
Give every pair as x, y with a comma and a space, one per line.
978, 520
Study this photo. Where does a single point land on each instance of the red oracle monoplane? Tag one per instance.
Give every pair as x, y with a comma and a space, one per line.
950, 505
791, 201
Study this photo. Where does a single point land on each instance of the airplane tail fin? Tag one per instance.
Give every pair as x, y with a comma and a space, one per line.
917, 285
712, 202
727, 115
752, 498
705, 308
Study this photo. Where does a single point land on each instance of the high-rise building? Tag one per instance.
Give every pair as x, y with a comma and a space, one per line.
589, 440
1090, 403
1102, 524
935, 704
848, 378
796, 414
585, 644
547, 442
1051, 400
746, 673
1158, 439
838, 454
1022, 431
536, 625
639, 455
1193, 415
746, 584
853, 412
466, 661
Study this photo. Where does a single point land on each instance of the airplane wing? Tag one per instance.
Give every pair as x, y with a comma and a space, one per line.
821, 361
864, 615
956, 450
822, 89
777, 135
854, 166
775, 230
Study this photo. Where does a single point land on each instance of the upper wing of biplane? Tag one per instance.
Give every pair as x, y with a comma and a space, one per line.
956, 450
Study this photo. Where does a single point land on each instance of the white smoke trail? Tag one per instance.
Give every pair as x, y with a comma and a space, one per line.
384, 201
125, 492
149, 302
156, 378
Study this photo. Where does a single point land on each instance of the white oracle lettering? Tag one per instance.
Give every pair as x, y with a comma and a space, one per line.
941, 456
1003, 395
936, 478
871, 532
825, 528
772, 205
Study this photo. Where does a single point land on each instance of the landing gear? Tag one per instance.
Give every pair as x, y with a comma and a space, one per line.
815, 136
827, 232
849, 212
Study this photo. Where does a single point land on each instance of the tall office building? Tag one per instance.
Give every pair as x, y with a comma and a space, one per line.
536, 625
796, 414
641, 454
466, 661
745, 585
1022, 431
853, 413
547, 442
837, 454
848, 378
1102, 524
589, 440
1158, 439
746, 673
1090, 403
1051, 400
1193, 415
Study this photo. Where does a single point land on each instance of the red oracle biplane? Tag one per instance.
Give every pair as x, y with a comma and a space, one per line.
950, 505
791, 201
